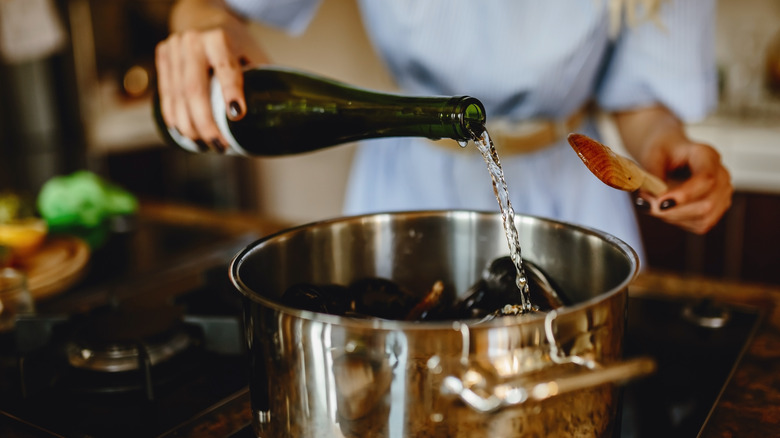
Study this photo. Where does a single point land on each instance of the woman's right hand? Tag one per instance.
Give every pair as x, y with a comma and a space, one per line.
207, 40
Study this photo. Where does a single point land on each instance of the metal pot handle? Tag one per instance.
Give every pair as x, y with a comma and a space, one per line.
511, 393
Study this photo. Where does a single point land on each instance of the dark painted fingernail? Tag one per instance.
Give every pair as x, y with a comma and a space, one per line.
218, 145
202, 146
642, 204
667, 204
234, 109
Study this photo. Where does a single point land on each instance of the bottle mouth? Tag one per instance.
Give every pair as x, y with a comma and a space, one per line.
473, 116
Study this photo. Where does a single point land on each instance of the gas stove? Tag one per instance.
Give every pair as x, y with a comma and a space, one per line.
161, 354
697, 346
137, 368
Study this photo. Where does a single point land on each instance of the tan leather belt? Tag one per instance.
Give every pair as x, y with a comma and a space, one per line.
526, 136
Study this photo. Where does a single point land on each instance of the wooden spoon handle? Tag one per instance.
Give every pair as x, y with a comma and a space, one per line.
628, 175
653, 185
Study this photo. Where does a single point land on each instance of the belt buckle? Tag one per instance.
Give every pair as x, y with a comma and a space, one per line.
523, 136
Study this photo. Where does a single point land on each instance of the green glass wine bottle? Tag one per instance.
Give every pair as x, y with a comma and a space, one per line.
291, 112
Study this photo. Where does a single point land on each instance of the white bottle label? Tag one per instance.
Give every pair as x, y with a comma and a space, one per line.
182, 141
220, 117
219, 112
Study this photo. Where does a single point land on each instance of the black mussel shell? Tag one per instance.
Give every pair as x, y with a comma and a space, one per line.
478, 302
498, 288
434, 305
501, 280
341, 300
501, 274
544, 292
493, 291
330, 298
381, 298
482, 301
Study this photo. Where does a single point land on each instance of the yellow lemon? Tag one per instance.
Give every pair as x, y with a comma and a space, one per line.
23, 236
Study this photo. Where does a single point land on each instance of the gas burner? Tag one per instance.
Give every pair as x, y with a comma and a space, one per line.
123, 338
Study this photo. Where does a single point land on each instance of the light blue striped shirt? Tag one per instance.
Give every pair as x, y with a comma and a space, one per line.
522, 59
530, 58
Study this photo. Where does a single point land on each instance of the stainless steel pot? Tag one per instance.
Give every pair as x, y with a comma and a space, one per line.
318, 375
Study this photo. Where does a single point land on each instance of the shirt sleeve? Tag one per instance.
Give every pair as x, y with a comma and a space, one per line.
293, 16
671, 62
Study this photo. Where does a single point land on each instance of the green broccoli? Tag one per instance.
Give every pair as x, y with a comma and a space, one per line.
82, 199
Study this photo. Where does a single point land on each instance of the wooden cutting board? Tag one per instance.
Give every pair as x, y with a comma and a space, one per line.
58, 264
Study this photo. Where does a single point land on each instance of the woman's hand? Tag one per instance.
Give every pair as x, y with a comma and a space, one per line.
206, 40
700, 189
697, 202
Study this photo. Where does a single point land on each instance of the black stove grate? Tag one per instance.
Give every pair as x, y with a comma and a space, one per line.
68, 401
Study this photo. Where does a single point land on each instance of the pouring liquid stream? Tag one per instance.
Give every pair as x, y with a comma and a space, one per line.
490, 155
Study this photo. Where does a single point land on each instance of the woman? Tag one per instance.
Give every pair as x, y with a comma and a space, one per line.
535, 65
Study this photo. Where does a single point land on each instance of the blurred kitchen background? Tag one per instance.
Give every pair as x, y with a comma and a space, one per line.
77, 76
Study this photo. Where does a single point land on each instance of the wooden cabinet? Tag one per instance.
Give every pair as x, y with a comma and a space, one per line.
745, 245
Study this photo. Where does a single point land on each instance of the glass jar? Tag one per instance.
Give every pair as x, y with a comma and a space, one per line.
15, 298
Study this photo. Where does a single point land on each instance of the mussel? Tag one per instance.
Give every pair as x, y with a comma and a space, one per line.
328, 298
381, 298
495, 294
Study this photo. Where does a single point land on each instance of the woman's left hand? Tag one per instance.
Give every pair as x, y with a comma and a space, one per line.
700, 187
697, 202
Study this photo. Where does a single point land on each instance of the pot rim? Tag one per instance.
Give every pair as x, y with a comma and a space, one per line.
392, 325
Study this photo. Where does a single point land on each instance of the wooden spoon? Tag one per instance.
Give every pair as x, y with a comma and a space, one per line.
612, 169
